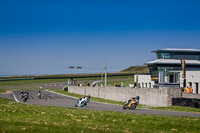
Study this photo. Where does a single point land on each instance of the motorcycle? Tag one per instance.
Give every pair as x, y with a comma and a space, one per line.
132, 103
81, 102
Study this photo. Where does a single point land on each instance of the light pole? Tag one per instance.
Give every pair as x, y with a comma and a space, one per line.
105, 73
80, 67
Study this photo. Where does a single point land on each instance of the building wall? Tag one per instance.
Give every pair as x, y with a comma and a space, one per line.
192, 77
144, 80
148, 96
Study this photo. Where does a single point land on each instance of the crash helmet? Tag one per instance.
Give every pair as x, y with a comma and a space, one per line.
138, 97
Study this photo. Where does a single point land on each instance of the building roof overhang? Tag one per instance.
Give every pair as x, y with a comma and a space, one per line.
177, 50
172, 62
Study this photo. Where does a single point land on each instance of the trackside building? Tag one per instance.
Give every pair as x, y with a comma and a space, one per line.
175, 68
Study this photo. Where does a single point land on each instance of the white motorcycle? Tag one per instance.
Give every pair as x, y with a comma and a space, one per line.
81, 102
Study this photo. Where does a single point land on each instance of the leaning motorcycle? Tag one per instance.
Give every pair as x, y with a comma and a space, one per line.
80, 104
132, 104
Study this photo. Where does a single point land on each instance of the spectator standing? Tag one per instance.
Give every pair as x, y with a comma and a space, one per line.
191, 89
101, 85
118, 85
122, 85
187, 90
115, 84
88, 84
135, 85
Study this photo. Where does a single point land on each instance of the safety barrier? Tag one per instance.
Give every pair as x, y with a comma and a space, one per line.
148, 96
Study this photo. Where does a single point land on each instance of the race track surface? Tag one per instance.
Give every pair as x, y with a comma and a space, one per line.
54, 99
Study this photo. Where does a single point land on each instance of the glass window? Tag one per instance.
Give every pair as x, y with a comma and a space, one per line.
162, 55
159, 55
173, 77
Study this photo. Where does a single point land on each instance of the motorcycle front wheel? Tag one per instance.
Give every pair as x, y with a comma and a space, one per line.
125, 107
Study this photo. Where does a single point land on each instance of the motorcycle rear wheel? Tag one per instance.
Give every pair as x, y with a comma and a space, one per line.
133, 106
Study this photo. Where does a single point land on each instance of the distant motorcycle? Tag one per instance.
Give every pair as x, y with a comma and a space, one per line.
81, 102
132, 103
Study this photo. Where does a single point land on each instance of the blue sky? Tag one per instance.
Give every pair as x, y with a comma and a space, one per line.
47, 36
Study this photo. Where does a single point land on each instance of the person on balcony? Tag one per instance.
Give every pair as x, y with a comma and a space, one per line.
191, 89
187, 90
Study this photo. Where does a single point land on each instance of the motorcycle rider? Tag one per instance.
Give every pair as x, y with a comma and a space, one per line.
134, 100
82, 99
39, 94
21, 94
137, 99
87, 98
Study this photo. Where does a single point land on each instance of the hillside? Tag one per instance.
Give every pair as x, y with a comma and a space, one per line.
134, 69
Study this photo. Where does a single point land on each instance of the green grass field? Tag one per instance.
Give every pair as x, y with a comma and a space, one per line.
18, 117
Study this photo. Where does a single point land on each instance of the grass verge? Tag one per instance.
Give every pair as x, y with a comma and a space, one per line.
18, 117
3, 90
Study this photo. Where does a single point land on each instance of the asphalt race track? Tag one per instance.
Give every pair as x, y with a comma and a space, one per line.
54, 99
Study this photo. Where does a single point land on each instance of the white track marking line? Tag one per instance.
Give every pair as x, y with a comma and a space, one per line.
15, 97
